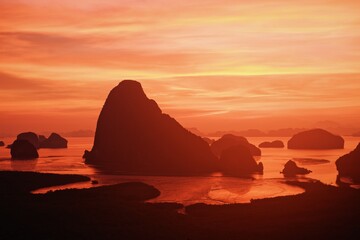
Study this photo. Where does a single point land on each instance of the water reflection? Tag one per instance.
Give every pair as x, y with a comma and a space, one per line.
23, 165
214, 189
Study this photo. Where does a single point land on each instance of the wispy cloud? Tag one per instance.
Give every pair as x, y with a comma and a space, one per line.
203, 61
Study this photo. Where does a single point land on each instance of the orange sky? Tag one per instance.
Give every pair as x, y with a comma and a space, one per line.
214, 65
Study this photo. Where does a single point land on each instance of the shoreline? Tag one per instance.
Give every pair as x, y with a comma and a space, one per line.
322, 212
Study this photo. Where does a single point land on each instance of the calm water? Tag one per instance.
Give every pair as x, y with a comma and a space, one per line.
188, 190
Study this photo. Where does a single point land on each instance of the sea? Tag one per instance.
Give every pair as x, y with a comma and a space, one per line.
212, 189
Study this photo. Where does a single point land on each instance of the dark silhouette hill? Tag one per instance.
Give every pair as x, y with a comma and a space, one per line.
349, 164
23, 150
273, 144
134, 136
229, 140
53, 141
2, 144
316, 139
238, 160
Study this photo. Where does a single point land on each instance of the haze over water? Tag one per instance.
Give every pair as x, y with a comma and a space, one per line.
215, 189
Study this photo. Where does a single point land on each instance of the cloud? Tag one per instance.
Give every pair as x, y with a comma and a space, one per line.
205, 62
204, 38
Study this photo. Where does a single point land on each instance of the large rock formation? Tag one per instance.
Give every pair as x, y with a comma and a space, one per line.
54, 141
2, 144
316, 139
238, 160
349, 164
30, 137
23, 150
291, 169
229, 140
273, 144
134, 136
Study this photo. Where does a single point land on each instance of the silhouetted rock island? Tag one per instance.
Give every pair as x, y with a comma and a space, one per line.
238, 160
273, 144
229, 140
291, 169
134, 136
349, 164
30, 137
23, 150
316, 139
54, 141
2, 144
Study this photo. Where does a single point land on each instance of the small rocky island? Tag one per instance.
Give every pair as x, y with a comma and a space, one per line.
291, 169
230, 140
53, 141
238, 160
23, 150
273, 144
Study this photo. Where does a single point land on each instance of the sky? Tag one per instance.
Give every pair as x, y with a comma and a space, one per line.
213, 65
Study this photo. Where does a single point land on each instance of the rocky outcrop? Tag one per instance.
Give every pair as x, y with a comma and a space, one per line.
30, 137
291, 169
2, 144
238, 160
230, 140
273, 144
134, 136
349, 164
54, 141
23, 150
316, 139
